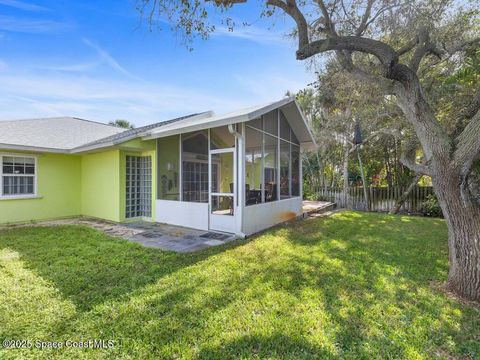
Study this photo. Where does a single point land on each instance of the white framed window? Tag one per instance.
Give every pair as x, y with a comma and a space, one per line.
18, 175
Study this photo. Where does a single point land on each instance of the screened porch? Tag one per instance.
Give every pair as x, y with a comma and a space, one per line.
240, 178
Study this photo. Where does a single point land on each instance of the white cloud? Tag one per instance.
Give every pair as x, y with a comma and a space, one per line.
268, 86
37, 95
77, 67
13, 24
83, 89
22, 5
108, 59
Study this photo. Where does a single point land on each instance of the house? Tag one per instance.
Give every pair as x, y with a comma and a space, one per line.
239, 172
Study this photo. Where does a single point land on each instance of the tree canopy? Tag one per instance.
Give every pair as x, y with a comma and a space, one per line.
122, 123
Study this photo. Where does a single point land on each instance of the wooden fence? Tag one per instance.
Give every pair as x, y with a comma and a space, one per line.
380, 198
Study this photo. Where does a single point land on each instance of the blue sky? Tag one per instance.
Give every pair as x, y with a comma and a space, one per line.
99, 62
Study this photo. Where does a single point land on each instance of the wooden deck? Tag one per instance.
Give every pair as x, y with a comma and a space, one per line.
312, 208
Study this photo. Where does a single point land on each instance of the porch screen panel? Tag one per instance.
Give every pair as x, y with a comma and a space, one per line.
168, 168
277, 155
253, 166
270, 167
285, 169
195, 166
296, 163
270, 123
138, 186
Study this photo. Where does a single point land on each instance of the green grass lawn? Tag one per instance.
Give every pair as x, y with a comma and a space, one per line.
352, 286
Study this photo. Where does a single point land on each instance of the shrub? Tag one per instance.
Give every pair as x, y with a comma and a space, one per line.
309, 192
431, 207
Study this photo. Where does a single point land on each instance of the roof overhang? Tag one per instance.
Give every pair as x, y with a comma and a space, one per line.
289, 106
94, 147
25, 148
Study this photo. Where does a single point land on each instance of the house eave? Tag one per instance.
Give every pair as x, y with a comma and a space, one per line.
26, 148
194, 125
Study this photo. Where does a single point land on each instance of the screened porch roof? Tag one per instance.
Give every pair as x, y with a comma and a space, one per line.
288, 106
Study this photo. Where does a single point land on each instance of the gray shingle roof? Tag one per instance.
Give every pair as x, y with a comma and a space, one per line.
131, 133
60, 133
65, 134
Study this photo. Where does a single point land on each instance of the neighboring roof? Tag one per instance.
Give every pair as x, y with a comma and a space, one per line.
73, 135
58, 134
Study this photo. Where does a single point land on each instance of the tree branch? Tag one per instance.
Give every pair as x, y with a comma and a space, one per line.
408, 47
453, 51
380, 12
473, 108
427, 47
418, 168
462, 46
386, 85
328, 20
380, 50
366, 15
291, 8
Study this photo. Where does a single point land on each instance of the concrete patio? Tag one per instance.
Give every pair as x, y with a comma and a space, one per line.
171, 237
176, 238
154, 235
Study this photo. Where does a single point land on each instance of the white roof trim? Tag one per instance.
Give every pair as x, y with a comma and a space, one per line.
86, 148
226, 119
33, 148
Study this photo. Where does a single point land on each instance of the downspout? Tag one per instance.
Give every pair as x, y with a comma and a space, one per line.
240, 189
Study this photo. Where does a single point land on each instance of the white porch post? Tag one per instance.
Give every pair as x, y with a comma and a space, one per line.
240, 181
301, 171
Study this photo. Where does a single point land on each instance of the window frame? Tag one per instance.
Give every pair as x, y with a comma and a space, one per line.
34, 176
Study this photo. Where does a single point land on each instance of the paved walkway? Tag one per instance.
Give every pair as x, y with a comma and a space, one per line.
155, 235
171, 237
176, 238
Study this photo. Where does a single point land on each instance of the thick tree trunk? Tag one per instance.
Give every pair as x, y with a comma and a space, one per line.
463, 219
460, 210
401, 200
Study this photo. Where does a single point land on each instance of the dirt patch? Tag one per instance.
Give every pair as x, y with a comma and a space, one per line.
441, 287
286, 216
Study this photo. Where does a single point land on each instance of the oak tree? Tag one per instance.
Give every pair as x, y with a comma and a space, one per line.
399, 39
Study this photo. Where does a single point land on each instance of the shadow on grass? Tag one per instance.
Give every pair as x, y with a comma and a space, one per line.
351, 286
276, 346
89, 267
375, 275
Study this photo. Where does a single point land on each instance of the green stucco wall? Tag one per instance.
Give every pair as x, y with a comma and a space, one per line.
58, 190
169, 153
89, 184
100, 185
